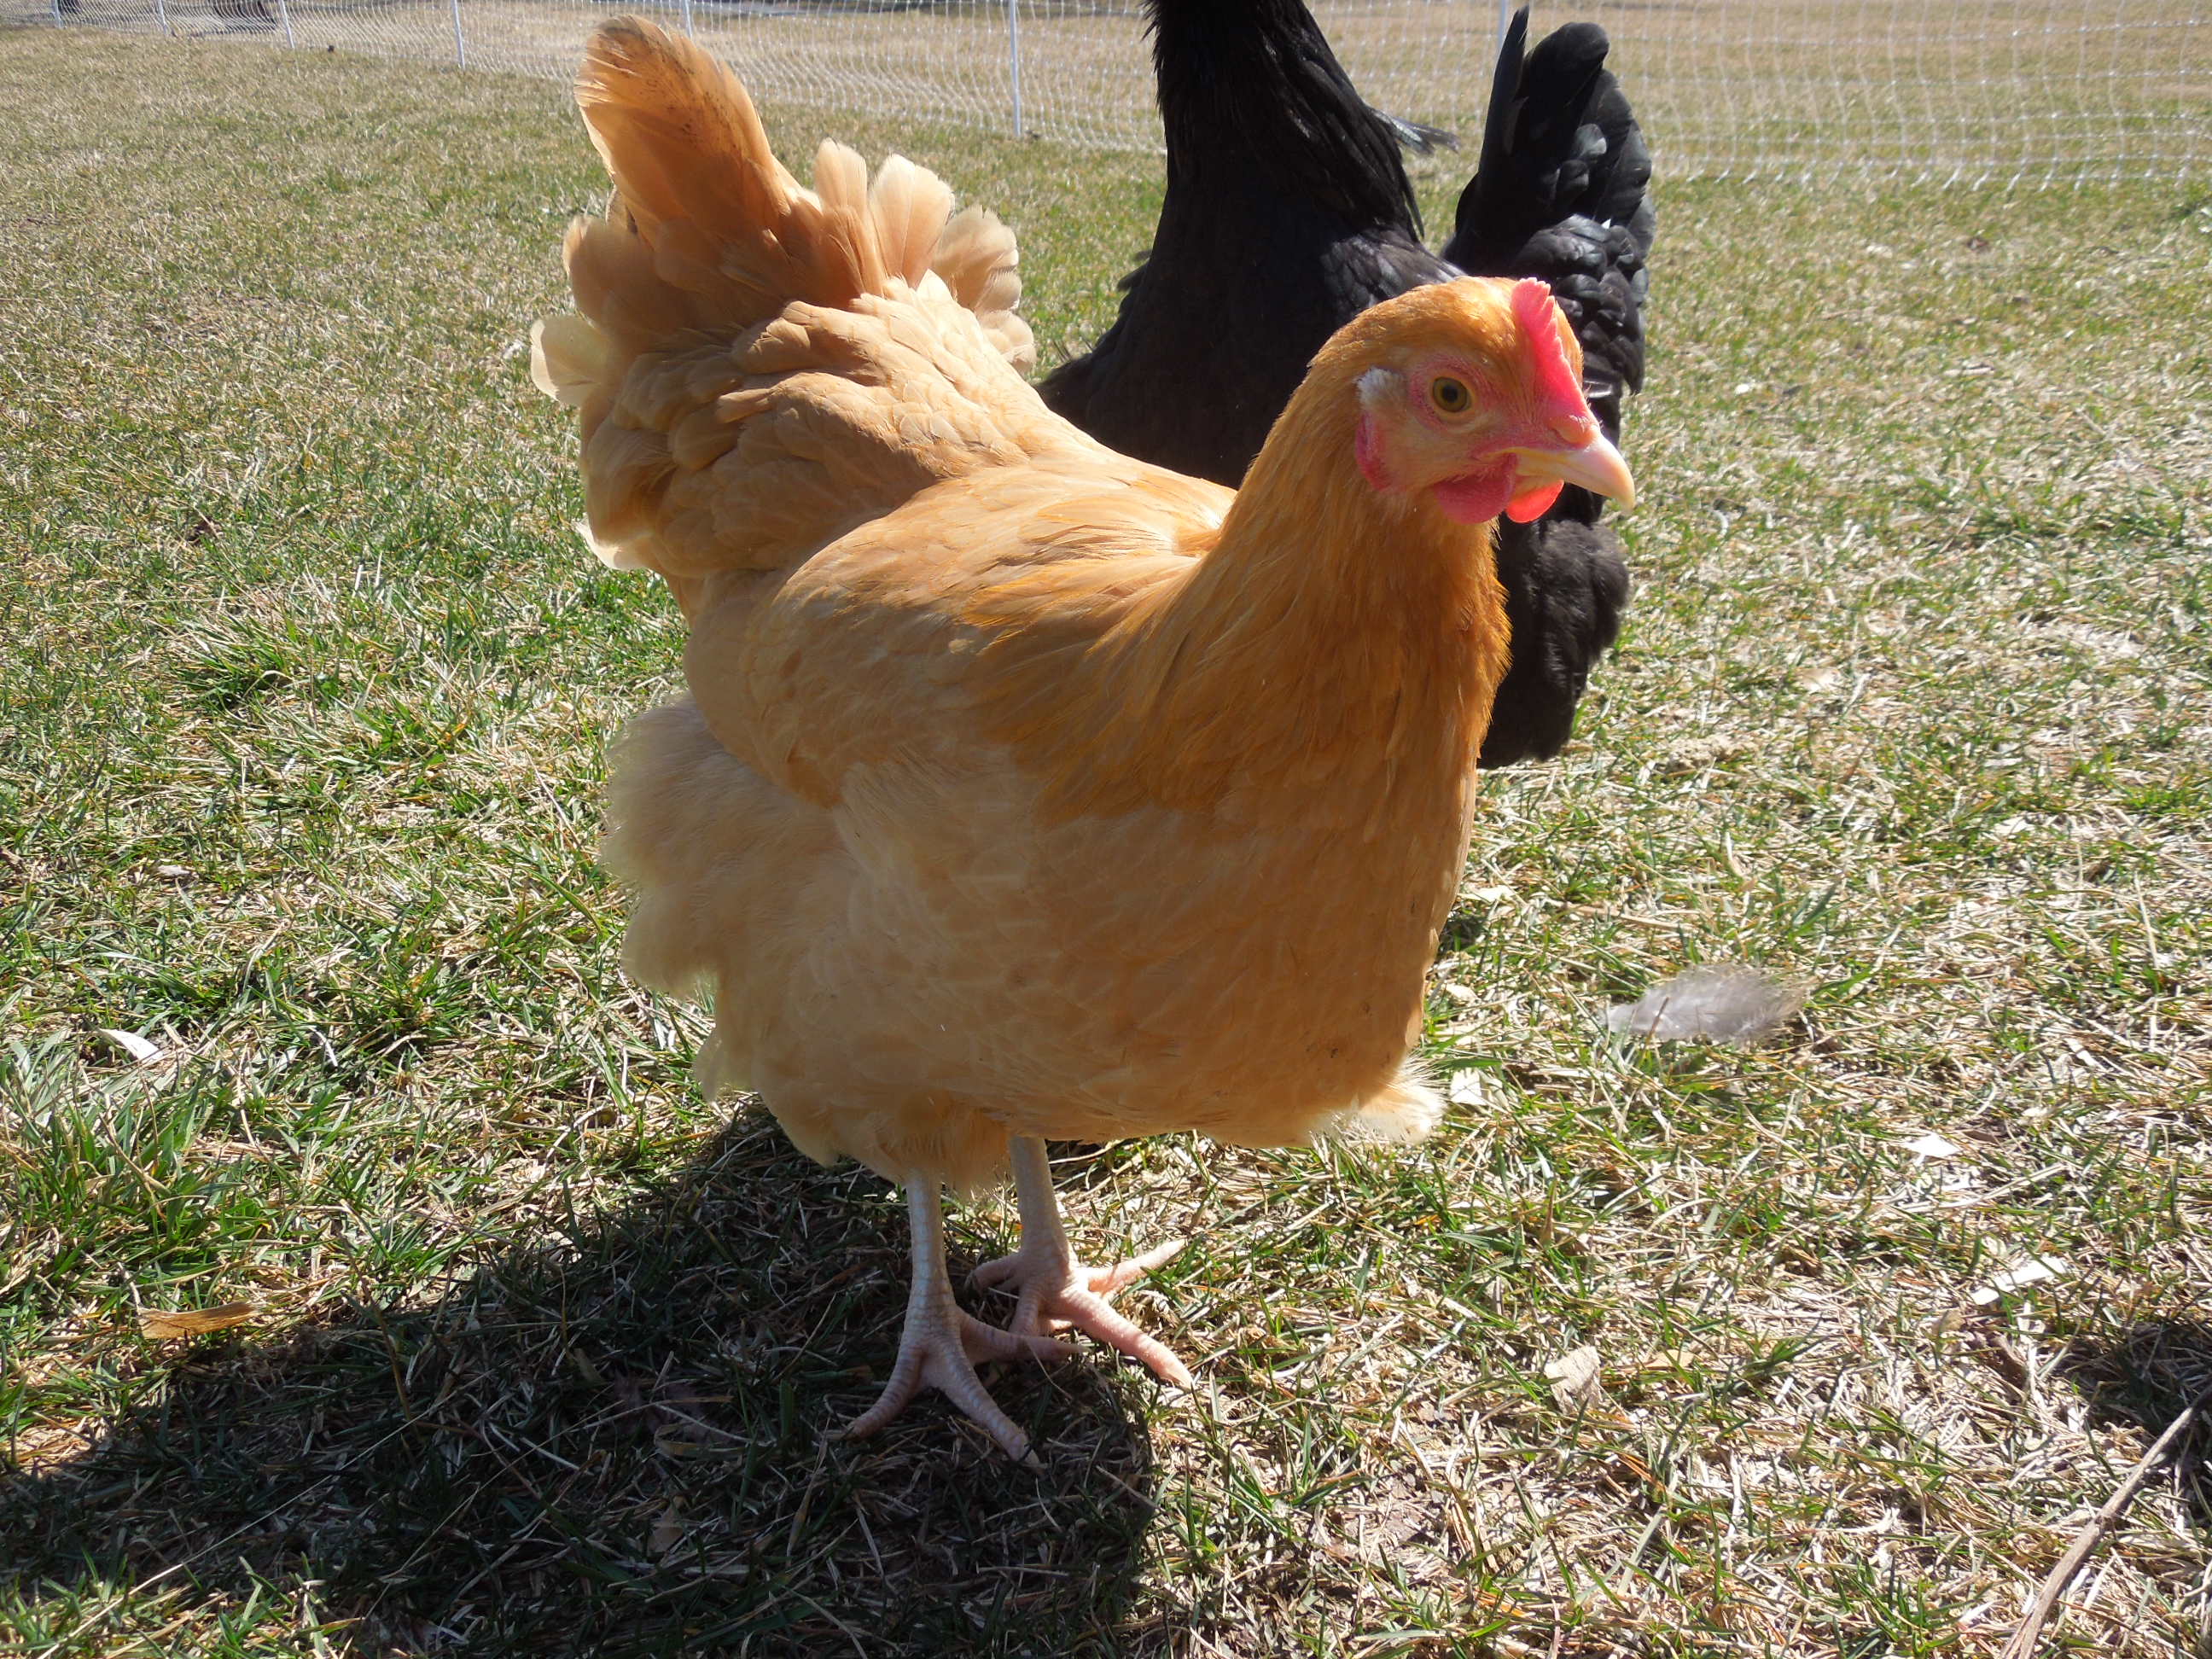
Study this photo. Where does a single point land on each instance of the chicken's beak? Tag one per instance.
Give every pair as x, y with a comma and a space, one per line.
1594, 466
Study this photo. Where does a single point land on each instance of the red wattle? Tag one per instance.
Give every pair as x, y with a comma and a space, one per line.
1533, 504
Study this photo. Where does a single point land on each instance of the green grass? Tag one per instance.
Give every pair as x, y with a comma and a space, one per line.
306, 681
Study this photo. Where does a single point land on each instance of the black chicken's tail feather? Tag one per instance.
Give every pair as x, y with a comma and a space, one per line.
1562, 193
1420, 136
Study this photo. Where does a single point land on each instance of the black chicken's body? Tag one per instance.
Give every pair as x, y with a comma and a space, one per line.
1288, 213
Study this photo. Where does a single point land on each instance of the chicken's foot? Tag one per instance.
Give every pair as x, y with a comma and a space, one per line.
1055, 1290
939, 1346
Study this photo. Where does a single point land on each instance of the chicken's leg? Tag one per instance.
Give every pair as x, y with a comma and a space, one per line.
939, 1346
1056, 1289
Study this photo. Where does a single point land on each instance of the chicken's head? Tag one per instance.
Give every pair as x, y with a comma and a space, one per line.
1473, 397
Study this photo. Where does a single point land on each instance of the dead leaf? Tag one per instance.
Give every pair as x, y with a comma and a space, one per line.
175, 1326
1687, 755
1466, 1088
1933, 1147
1574, 1377
680, 1427
2028, 1270
131, 1043
1950, 1321
667, 1530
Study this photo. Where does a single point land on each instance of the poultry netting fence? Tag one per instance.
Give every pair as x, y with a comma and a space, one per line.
2016, 91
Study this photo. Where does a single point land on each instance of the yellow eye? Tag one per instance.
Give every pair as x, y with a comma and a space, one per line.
1450, 396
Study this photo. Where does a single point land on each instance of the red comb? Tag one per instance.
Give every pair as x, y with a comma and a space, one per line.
1558, 388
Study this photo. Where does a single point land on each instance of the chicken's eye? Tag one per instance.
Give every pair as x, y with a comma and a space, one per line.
1449, 396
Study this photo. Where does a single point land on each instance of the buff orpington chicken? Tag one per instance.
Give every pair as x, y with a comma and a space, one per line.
1024, 790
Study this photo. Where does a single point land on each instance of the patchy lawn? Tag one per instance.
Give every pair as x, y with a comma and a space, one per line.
305, 688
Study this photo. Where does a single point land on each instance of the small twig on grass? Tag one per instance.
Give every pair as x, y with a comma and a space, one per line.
2022, 1645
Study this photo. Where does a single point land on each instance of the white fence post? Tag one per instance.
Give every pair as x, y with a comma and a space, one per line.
688, 29
161, 14
1014, 56
284, 14
1505, 19
460, 41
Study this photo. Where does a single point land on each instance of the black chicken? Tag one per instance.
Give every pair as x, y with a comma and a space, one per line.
1288, 213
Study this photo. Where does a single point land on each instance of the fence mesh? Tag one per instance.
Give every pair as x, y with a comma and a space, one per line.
2017, 92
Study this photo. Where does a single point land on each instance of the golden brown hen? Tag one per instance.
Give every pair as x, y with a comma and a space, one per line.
1024, 790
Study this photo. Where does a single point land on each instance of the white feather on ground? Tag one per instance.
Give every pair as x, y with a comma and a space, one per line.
1712, 1002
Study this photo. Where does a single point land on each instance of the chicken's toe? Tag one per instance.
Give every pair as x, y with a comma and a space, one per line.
1056, 1293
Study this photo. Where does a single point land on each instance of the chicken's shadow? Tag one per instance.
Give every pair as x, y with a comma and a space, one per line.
618, 1443
2148, 1374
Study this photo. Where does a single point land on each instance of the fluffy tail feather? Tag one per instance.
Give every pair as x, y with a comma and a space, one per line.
706, 229
707, 241
723, 225
976, 260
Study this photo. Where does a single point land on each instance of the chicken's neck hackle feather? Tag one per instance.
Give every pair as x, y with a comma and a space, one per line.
1325, 637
